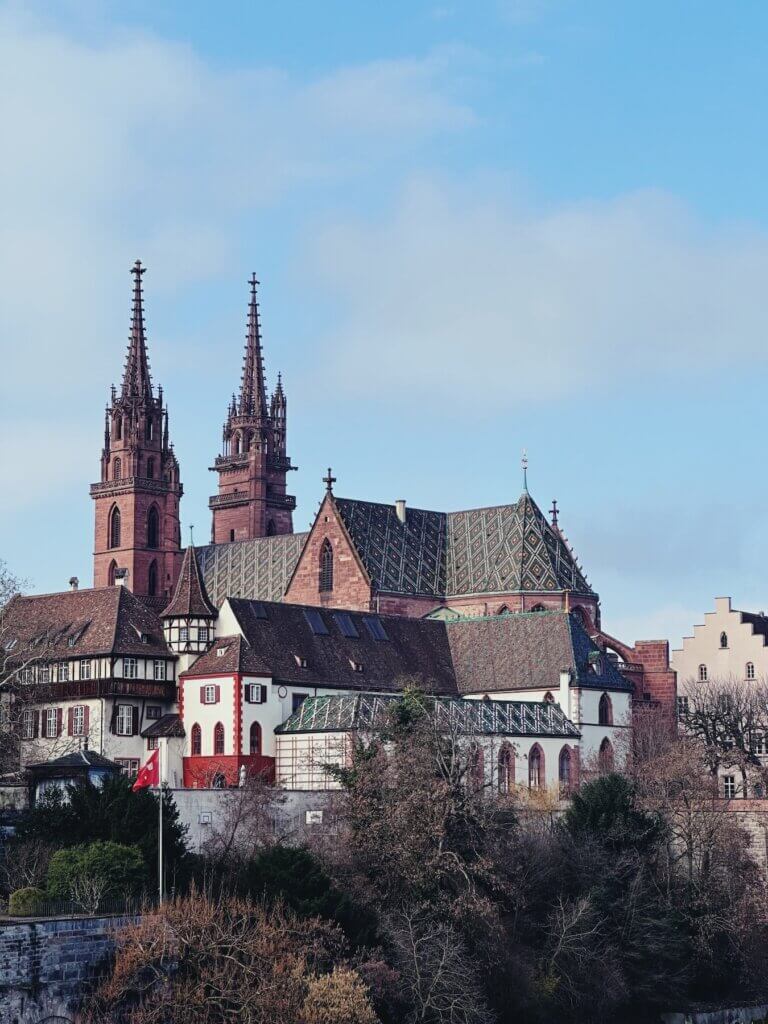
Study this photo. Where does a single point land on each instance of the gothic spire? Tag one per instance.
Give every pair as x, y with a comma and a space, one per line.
136, 379
253, 395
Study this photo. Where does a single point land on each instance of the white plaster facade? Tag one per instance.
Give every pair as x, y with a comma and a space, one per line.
705, 650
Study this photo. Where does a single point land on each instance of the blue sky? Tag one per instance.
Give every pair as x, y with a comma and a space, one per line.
478, 227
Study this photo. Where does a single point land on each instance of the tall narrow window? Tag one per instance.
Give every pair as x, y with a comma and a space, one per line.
119, 428
535, 767
605, 711
723, 639
114, 527
152, 580
117, 469
564, 771
197, 741
326, 566
750, 670
702, 673
506, 768
605, 756
218, 738
151, 469
112, 570
271, 528
150, 429
153, 527
476, 768
255, 738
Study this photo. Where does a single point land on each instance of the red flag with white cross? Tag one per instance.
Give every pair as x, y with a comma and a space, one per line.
149, 773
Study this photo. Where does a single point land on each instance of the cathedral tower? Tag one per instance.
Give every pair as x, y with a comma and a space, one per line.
137, 499
252, 499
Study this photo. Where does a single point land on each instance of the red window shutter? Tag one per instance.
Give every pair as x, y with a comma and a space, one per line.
263, 695
71, 722
218, 693
58, 721
202, 695
135, 722
86, 719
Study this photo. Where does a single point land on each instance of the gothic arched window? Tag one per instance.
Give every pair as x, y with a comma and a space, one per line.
326, 566
150, 468
605, 756
197, 740
255, 746
117, 469
605, 711
152, 580
119, 428
506, 768
503, 610
114, 527
723, 639
153, 528
476, 768
111, 573
538, 608
564, 771
218, 738
535, 767
150, 429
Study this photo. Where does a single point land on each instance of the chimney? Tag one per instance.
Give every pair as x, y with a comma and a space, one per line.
74, 583
400, 509
564, 696
121, 577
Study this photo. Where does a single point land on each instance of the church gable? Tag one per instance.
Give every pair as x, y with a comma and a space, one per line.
258, 569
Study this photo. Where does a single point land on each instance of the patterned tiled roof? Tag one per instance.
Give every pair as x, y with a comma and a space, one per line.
190, 598
480, 551
258, 569
341, 713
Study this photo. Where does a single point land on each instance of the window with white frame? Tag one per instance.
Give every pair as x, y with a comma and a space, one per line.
44, 674
152, 742
702, 673
125, 719
85, 670
130, 668
27, 724
159, 668
154, 711
682, 707
183, 634
202, 634
209, 694
63, 671
729, 787
129, 765
750, 670
27, 675
758, 743
78, 720
52, 723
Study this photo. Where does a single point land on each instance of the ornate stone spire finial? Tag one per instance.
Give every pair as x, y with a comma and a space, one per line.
524, 464
553, 512
253, 394
136, 378
329, 481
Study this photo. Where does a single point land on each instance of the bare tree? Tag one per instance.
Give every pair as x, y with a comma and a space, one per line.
248, 821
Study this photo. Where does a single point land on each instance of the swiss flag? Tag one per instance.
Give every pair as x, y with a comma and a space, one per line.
149, 773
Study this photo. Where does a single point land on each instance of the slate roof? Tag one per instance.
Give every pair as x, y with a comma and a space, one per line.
341, 713
527, 650
78, 759
759, 623
479, 551
276, 634
108, 620
190, 599
168, 725
259, 569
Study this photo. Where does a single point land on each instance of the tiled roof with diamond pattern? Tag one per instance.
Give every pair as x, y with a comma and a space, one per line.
257, 569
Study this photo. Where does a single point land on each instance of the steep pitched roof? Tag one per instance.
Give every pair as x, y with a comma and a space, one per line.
108, 620
342, 713
527, 651
190, 599
78, 759
278, 638
479, 551
758, 622
258, 569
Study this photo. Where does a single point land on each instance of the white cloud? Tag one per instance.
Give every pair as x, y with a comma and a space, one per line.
123, 145
466, 291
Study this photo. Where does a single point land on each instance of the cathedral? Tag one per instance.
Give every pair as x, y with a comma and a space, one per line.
247, 653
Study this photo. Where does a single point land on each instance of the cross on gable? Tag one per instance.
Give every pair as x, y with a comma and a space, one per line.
329, 481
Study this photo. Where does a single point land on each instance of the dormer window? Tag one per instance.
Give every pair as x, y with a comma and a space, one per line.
357, 666
221, 652
300, 660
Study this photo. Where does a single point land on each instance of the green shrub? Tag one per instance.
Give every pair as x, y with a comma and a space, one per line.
107, 868
25, 902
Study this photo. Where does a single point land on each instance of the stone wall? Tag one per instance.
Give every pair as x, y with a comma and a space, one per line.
45, 964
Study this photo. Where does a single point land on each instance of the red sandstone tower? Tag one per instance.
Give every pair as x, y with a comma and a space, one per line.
137, 499
252, 499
